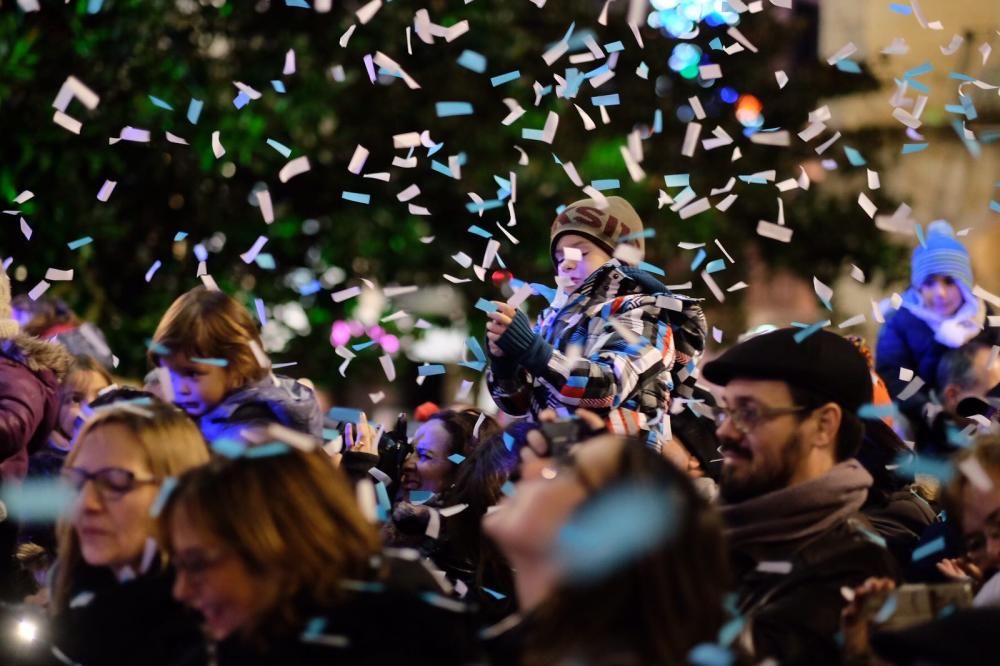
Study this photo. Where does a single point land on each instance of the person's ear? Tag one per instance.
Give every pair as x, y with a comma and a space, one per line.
828, 418
949, 396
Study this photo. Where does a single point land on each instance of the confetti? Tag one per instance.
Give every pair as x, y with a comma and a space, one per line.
251, 254
38, 290
449, 109
105, 192
294, 168
57, 275
217, 149
80, 242
356, 197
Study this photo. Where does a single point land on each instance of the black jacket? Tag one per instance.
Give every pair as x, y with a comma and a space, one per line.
793, 617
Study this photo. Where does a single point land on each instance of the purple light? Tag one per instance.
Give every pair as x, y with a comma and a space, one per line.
340, 333
389, 343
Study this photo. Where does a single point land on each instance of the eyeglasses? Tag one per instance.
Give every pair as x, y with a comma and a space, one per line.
112, 483
748, 416
196, 566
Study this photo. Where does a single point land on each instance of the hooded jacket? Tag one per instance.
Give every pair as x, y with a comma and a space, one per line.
272, 399
913, 338
30, 373
609, 347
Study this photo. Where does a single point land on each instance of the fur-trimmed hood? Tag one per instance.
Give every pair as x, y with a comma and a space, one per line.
37, 355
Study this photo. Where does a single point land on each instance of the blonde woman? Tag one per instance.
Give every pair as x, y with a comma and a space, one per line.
111, 599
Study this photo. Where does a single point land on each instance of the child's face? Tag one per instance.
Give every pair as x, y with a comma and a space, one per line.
79, 389
577, 258
198, 387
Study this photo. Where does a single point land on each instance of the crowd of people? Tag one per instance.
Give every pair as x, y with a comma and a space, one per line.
797, 499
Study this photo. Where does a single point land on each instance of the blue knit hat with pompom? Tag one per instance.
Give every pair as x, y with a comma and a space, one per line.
941, 254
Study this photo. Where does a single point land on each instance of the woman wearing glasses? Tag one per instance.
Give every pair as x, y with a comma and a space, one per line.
111, 587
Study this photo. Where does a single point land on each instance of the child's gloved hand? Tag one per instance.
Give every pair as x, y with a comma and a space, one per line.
497, 325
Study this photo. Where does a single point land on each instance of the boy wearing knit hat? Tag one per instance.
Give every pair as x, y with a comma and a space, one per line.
938, 312
610, 337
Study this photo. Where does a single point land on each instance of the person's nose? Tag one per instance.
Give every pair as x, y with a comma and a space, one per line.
183, 591
90, 499
181, 386
410, 464
993, 548
728, 431
567, 266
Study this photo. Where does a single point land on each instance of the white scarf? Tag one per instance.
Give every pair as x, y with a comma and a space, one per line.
956, 330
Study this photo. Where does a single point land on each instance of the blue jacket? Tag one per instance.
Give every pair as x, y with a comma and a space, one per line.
272, 399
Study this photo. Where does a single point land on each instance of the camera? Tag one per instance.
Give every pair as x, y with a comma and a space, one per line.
393, 449
562, 435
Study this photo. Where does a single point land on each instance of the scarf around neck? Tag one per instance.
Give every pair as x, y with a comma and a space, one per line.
956, 330
800, 511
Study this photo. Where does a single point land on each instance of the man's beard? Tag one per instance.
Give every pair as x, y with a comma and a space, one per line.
761, 478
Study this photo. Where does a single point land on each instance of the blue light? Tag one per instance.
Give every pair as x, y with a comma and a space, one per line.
728, 95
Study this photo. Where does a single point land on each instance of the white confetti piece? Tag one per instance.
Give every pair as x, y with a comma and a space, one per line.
824, 292
295, 167
905, 374
56, 274
628, 254
392, 292
381, 175
738, 36
462, 259
781, 78
775, 567
217, 149
572, 173
857, 274
152, 270
265, 205
388, 367
384, 61
984, 50
691, 139
724, 205
956, 41
38, 290
344, 38
254, 250
588, 122
67, 122
106, 189
692, 209
721, 138
26, 229
413, 209
846, 51
27, 195
344, 294
250, 92
289, 67
713, 286
873, 180
209, 282
826, 144
406, 140
173, 138
73, 87
812, 131
774, 231
986, 296
911, 389
853, 321
408, 193
710, 72
781, 138
135, 134
905, 117
976, 475
635, 171
358, 160
867, 205
551, 125
368, 11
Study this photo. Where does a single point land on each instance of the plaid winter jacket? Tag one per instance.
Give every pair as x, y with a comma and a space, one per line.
610, 349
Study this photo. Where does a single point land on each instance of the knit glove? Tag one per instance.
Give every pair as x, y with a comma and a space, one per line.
523, 345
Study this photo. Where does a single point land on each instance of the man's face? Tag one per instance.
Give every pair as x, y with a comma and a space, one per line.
985, 376
769, 452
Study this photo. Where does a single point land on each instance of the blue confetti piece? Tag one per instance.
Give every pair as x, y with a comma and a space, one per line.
643, 70
268, 450
849, 66
479, 231
241, 100
361, 346
606, 184
180, 235
507, 489
42, 500
928, 549
280, 147
877, 539
265, 261
160, 103
442, 169
605, 100
194, 110
887, 610
477, 349
157, 348
940, 468
905, 10
508, 441
94, 6
200, 253
433, 150
715, 266
731, 630
645, 233
486, 306
710, 654
420, 496
809, 330
473, 61
919, 70
448, 109
651, 268
384, 505
919, 229
677, 180
356, 197
166, 488
330, 434
301, 4
230, 448
457, 458
597, 71
995, 206
532, 134
430, 370
344, 414
716, 44
614, 47
505, 78
913, 148
875, 412
494, 593
279, 86
310, 288
658, 121
614, 529
217, 362
854, 157
79, 242
698, 258
314, 628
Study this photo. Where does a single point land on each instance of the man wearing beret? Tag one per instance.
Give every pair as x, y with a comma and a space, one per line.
790, 489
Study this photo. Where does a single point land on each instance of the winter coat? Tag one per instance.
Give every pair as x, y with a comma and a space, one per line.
132, 623
609, 348
794, 616
30, 372
907, 341
272, 399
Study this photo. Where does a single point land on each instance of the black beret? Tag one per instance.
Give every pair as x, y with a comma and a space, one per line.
822, 363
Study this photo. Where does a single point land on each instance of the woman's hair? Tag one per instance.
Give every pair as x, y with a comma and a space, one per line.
205, 323
985, 450
83, 364
45, 312
170, 443
656, 608
291, 518
462, 432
